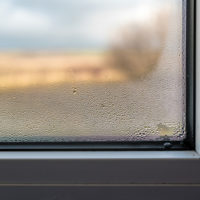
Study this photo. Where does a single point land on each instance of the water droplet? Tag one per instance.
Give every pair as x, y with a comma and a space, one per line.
74, 90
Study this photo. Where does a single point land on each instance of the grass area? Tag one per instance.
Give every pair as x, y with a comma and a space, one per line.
30, 69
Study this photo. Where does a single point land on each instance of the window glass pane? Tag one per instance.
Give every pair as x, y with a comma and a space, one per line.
92, 70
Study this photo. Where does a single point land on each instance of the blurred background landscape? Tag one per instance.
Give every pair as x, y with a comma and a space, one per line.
91, 70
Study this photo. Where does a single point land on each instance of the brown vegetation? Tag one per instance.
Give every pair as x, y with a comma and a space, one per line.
139, 47
32, 69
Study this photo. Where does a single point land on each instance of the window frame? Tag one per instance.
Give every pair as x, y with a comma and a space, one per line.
107, 174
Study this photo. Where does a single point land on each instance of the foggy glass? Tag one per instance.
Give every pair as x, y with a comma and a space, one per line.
92, 70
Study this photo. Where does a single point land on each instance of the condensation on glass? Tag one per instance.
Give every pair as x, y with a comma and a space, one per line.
92, 70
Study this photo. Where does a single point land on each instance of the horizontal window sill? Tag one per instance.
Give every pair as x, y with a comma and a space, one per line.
99, 168
55, 155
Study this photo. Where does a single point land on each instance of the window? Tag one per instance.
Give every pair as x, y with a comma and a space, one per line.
94, 71
69, 174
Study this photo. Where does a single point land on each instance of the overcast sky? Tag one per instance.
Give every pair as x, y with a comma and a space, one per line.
69, 24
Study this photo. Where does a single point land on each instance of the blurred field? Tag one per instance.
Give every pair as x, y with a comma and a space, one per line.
85, 97
35, 69
131, 55
29, 69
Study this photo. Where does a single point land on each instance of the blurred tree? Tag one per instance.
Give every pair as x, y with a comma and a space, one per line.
138, 47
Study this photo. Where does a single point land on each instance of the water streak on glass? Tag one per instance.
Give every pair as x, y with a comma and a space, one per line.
92, 70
